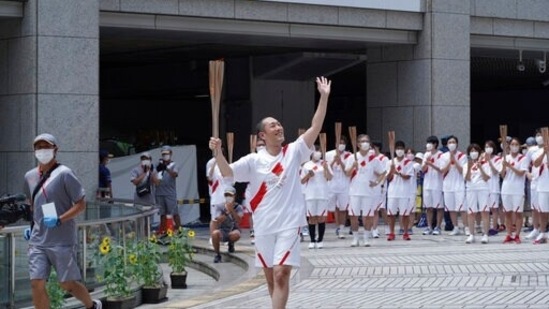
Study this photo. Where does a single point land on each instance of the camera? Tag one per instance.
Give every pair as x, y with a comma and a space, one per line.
12, 210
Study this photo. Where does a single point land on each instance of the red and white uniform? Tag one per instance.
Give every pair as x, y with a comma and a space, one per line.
494, 183
542, 183
453, 185
398, 193
339, 185
512, 187
363, 197
315, 189
477, 189
432, 181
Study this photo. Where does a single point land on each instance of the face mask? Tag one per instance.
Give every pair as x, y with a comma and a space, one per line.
166, 157
489, 150
259, 148
539, 140
474, 155
44, 156
410, 156
146, 163
429, 146
399, 152
365, 145
229, 199
452, 147
514, 149
341, 147
317, 155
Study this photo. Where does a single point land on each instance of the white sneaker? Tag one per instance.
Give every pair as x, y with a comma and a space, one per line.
97, 304
341, 236
367, 242
470, 239
533, 234
467, 231
484, 239
319, 245
375, 233
540, 239
312, 245
354, 243
427, 231
252, 241
454, 232
305, 231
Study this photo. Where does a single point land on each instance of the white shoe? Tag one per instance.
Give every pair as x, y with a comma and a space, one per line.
97, 304
341, 236
470, 239
454, 232
312, 245
467, 231
319, 245
367, 242
354, 243
375, 233
252, 241
540, 239
533, 234
484, 239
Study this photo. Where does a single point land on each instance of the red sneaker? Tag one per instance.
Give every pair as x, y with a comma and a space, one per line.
508, 239
517, 239
391, 237
406, 236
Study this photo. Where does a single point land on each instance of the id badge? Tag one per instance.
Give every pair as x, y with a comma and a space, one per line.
49, 210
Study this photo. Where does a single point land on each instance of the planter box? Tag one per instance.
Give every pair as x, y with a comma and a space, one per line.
154, 295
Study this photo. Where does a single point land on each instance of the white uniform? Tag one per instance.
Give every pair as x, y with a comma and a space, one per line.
494, 182
542, 183
216, 186
532, 154
398, 193
512, 187
315, 189
477, 188
432, 181
363, 197
339, 185
453, 185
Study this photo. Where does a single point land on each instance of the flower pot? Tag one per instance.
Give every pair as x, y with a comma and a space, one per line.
120, 303
179, 280
154, 295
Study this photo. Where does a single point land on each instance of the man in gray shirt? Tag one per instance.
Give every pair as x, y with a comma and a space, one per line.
166, 192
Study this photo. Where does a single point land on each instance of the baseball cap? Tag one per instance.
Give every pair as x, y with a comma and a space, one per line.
530, 141
146, 155
419, 155
230, 190
103, 154
166, 149
50, 139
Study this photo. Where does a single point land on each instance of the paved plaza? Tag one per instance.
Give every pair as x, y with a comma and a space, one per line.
427, 272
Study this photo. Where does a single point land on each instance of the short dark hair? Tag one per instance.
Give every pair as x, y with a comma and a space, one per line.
377, 144
433, 140
474, 146
400, 144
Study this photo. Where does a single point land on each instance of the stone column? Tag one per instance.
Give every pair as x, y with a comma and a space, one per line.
49, 64
424, 89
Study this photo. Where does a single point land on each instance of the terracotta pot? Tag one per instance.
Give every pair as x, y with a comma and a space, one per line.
179, 280
154, 295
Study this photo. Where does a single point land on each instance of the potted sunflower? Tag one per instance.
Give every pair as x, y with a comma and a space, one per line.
119, 266
180, 253
149, 272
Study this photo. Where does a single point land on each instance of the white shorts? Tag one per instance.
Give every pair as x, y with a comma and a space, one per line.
280, 248
477, 201
398, 205
317, 208
412, 201
493, 200
432, 198
534, 200
365, 205
512, 203
543, 202
338, 201
454, 201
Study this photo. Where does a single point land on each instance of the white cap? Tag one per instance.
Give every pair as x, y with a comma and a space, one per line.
419, 155
46, 137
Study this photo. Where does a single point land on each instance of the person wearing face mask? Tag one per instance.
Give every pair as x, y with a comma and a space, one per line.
453, 185
414, 186
366, 173
534, 145
315, 175
339, 185
432, 186
541, 164
144, 175
477, 187
166, 190
494, 184
57, 198
226, 219
104, 189
514, 168
400, 175
381, 190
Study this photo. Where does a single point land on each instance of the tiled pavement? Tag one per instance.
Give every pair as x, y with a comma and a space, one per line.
427, 272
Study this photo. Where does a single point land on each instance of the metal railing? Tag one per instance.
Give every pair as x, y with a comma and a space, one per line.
117, 218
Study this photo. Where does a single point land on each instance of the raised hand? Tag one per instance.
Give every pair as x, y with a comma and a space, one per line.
323, 85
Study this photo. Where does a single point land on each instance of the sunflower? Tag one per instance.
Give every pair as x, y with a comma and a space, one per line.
169, 233
104, 248
190, 234
133, 259
153, 239
106, 240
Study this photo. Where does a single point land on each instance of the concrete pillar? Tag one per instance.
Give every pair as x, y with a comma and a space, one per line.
49, 64
424, 89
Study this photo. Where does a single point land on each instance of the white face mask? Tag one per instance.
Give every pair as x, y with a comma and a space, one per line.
524, 151
365, 145
341, 147
259, 148
146, 162
514, 149
410, 156
474, 155
44, 156
229, 199
429, 146
452, 146
399, 152
489, 150
317, 155
166, 157
539, 140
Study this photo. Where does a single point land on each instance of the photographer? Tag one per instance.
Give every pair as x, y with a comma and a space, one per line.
144, 178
